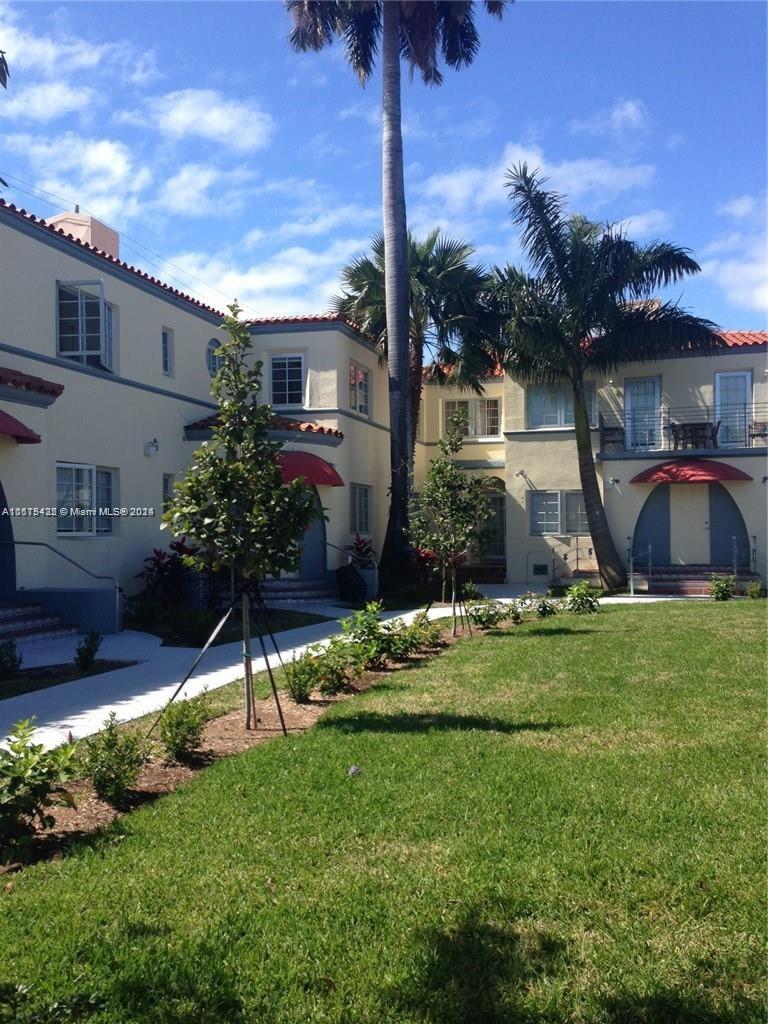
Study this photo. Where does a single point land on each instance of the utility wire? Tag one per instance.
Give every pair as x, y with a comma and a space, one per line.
131, 244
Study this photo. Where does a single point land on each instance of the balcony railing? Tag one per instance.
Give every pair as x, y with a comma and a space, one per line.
681, 428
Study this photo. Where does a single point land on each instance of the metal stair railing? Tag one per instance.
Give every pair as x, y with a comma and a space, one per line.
41, 544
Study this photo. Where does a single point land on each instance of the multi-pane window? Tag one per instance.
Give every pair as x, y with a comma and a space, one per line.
481, 416
551, 405
85, 325
359, 389
84, 497
213, 359
360, 504
287, 380
166, 351
559, 512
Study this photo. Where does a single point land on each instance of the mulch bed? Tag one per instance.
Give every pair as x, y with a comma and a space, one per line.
224, 737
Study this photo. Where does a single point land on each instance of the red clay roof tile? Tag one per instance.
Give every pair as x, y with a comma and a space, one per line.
28, 382
278, 423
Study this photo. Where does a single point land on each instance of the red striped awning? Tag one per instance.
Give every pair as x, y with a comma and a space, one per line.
14, 428
312, 468
689, 471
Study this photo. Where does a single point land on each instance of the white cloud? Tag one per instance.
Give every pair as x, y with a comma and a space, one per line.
650, 224
99, 174
206, 114
477, 187
46, 55
201, 190
625, 116
740, 207
350, 215
738, 260
293, 281
46, 101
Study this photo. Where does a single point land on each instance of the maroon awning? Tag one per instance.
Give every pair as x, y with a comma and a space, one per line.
311, 467
14, 428
689, 471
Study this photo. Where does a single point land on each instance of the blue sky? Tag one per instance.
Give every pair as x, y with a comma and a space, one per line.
234, 167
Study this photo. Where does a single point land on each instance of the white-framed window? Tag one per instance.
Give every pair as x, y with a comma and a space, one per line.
558, 512
359, 389
551, 405
213, 359
84, 496
166, 351
85, 324
482, 416
360, 508
168, 482
287, 378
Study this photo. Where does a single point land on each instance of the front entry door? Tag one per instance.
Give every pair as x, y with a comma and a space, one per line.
652, 530
728, 537
313, 554
7, 554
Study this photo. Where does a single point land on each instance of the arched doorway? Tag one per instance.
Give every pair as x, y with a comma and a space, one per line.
7, 553
652, 528
313, 550
728, 537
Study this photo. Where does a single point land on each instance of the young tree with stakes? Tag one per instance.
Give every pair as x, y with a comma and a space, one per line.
232, 500
448, 514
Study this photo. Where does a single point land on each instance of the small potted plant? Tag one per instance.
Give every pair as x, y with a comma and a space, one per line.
363, 558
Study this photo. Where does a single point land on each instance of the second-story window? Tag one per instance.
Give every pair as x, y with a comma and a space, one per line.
287, 380
359, 389
166, 351
551, 405
213, 359
481, 415
85, 325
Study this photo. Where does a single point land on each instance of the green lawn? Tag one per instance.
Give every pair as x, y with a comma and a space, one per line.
563, 823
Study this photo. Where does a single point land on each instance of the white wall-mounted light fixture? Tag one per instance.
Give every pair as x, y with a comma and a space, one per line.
151, 447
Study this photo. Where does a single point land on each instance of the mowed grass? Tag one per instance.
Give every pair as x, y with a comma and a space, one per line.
563, 822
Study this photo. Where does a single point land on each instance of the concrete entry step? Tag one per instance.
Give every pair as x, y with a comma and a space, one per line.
30, 622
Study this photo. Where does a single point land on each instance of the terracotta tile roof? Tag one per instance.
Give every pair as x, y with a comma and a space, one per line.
156, 282
27, 382
430, 373
740, 339
278, 423
310, 318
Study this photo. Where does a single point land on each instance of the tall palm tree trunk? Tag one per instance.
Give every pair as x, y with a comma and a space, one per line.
417, 369
612, 572
394, 561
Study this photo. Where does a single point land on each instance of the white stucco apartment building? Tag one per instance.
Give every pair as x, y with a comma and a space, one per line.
105, 392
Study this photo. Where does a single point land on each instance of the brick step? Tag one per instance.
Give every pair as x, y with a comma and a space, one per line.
30, 622
483, 573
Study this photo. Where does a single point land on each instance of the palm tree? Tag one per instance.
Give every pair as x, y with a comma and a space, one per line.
588, 307
444, 290
421, 33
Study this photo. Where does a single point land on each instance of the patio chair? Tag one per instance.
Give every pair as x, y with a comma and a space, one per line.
758, 429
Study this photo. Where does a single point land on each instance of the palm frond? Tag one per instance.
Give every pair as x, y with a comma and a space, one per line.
459, 41
360, 28
315, 23
645, 331
541, 217
658, 265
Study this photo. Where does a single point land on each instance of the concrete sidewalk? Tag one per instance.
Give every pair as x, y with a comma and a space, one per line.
81, 706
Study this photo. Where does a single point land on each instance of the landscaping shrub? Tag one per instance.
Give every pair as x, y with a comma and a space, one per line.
87, 649
182, 725
722, 588
32, 780
582, 599
470, 591
514, 614
754, 590
488, 614
400, 641
300, 678
113, 760
365, 629
331, 666
545, 607
10, 660
428, 632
